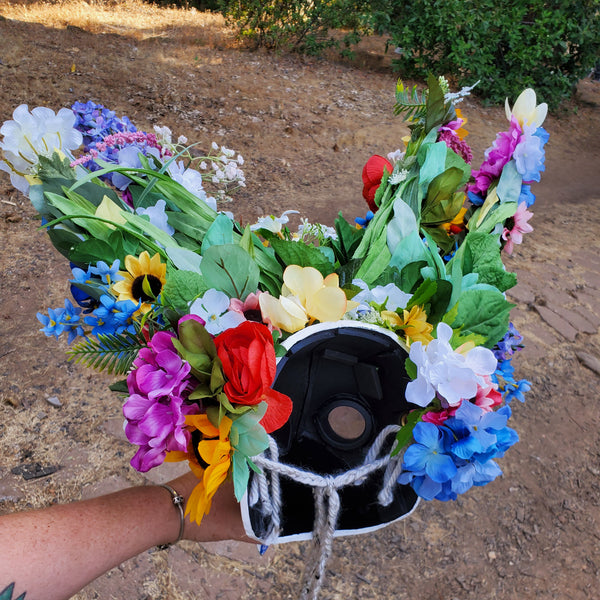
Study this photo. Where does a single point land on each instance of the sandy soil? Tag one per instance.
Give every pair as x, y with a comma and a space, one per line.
305, 128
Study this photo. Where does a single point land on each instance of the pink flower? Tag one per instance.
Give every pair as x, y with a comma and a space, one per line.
496, 158
516, 227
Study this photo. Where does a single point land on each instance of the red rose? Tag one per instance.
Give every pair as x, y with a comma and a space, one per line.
372, 174
249, 364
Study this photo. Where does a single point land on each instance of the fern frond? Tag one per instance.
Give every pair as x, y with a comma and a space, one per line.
409, 102
112, 353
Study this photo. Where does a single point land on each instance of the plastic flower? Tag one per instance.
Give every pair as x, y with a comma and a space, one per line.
35, 133
272, 223
213, 308
515, 227
248, 358
450, 375
143, 280
215, 450
427, 455
108, 274
389, 296
305, 295
191, 180
525, 110
415, 325
112, 316
372, 175
157, 216
529, 155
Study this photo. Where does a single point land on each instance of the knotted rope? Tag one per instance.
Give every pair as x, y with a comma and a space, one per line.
326, 497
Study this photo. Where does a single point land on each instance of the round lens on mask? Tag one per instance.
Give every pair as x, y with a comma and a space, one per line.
347, 383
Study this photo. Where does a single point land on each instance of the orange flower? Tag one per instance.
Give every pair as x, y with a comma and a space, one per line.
215, 450
461, 131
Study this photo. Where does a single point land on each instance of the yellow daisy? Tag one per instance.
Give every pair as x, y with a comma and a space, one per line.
416, 328
143, 280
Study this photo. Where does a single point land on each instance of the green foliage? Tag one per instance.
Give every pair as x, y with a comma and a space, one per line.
299, 25
111, 353
507, 45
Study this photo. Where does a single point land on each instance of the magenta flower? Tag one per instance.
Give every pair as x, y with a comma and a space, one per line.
516, 226
155, 410
496, 158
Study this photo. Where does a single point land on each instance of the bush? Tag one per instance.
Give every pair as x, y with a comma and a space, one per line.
507, 45
300, 25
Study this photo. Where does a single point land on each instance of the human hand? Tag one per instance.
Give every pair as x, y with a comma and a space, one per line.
224, 521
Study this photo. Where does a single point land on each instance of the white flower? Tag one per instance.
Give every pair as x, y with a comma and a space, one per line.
163, 134
273, 224
441, 370
525, 109
157, 216
318, 230
182, 140
191, 180
459, 96
29, 135
398, 177
391, 296
213, 307
395, 156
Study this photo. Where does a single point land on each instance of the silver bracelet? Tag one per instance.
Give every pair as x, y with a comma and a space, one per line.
178, 501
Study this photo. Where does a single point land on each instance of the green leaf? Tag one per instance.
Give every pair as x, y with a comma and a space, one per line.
184, 259
496, 215
404, 436
181, 288
193, 226
119, 387
349, 238
91, 251
230, 269
111, 353
304, 255
55, 167
401, 225
240, 475
481, 255
483, 312
246, 241
219, 233
509, 186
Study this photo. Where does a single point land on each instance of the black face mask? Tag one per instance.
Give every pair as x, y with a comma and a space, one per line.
346, 383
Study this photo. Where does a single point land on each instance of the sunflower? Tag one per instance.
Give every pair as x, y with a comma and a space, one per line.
143, 280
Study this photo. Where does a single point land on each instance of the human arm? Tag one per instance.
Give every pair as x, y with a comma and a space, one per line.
54, 552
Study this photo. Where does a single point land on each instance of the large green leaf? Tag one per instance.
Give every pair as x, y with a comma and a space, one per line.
219, 233
230, 269
304, 255
483, 312
181, 288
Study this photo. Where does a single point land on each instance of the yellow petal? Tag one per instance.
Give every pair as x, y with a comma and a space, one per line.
328, 304
332, 280
107, 209
285, 313
392, 318
302, 281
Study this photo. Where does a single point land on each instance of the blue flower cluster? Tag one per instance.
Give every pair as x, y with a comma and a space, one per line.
504, 375
447, 460
103, 312
96, 122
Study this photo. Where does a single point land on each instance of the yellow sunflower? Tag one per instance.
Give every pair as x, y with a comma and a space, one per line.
143, 280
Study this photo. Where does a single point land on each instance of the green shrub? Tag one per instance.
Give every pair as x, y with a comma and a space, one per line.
300, 25
505, 44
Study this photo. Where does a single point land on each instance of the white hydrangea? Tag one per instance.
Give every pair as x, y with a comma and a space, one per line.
441, 371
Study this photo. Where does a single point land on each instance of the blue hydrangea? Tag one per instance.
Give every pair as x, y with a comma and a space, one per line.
447, 460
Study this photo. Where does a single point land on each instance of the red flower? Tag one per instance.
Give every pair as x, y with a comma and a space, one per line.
249, 364
371, 175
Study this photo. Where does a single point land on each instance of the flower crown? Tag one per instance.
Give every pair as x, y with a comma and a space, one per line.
174, 293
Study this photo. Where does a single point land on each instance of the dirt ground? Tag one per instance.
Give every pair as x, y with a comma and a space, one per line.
305, 127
